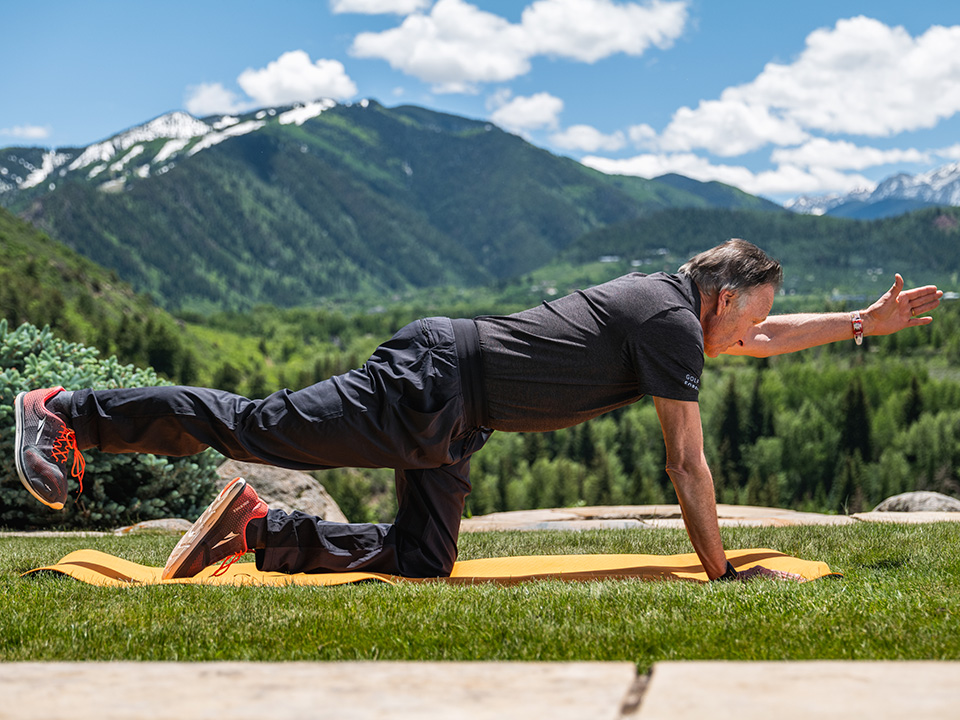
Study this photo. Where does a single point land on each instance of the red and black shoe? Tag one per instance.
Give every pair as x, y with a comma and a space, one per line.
219, 535
43, 447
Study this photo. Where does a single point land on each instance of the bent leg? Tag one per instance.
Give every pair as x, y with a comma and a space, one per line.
422, 541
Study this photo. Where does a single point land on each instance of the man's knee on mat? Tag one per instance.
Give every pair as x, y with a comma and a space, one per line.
419, 562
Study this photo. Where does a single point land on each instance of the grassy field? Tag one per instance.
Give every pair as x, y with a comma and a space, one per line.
899, 599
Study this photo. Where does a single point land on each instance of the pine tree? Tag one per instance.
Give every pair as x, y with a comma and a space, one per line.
855, 434
913, 405
759, 421
731, 470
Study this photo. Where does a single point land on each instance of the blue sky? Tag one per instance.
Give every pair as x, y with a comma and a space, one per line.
778, 98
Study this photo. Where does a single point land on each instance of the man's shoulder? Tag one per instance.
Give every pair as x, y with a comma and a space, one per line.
644, 296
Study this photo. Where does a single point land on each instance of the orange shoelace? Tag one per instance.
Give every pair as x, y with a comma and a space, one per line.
227, 562
62, 445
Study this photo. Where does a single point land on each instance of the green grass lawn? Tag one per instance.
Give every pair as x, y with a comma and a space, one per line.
899, 599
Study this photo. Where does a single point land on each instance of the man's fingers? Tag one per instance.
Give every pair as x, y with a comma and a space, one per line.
927, 292
760, 571
921, 300
897, 285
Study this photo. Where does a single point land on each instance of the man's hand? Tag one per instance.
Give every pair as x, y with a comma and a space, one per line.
898, 308
758, 571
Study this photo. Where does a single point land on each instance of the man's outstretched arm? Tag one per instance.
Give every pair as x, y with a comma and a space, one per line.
895, 310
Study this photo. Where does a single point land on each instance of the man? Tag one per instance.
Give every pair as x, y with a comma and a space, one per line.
430, 397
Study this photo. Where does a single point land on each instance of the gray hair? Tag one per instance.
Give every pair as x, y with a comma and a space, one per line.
734, 265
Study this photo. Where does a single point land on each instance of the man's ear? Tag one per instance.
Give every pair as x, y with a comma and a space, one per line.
725, 299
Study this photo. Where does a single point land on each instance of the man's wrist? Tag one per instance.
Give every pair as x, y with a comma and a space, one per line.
730, 574
856, 318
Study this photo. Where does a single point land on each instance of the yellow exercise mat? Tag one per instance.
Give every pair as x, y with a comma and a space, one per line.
97, 568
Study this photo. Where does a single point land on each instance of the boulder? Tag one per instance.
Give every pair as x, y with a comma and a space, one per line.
919, 501
286, 490
164, 526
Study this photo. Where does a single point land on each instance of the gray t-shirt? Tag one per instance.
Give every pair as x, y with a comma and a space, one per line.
592, 351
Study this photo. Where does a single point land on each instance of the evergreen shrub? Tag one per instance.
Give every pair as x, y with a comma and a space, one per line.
117, 489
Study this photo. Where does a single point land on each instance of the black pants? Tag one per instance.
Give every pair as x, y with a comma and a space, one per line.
416, 406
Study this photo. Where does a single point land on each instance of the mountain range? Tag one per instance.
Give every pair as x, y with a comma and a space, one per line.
896, 195
291, 205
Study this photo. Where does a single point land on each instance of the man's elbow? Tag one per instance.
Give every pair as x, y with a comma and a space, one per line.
757, 347
686, 469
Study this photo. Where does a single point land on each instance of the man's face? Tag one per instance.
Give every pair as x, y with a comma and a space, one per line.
733, 314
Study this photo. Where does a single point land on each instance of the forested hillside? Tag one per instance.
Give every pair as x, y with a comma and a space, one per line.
45, 283
356, 199
819, 254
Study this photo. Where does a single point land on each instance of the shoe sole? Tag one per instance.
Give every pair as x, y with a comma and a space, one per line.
205, 522
21, 419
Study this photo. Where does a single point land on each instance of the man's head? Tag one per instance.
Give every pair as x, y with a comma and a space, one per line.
734, 265
737, 282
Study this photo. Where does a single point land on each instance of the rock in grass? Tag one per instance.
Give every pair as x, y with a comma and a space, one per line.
165, 526
919, 501
286, 490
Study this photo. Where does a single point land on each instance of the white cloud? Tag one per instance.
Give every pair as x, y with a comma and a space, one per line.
457, 45
213, 99
728, 128
865, 78
291, 78
950, 153
860, 77
844, 155
587, 139
528, 113
589, 30
378, 7
26, 132
294, 78
643, 136
784, 180
653, 165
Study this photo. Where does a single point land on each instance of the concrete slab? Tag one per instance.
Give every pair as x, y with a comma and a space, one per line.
908, 518
643, 516
794, 690
54, 533
354, 690
592, 524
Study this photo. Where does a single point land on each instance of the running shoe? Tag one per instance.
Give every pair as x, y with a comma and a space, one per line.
219, 535
43, 447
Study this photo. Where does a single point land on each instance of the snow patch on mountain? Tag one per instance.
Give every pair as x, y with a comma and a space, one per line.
115, 156
299, 115
134, 152
171, 148
51, 161
225, 122
940, 186
215, 138
173, 125
822, 204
